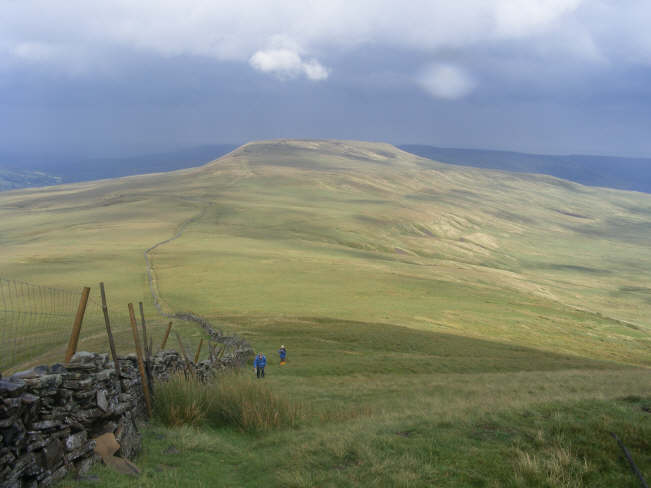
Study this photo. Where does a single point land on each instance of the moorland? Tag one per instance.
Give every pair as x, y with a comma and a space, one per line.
446, 325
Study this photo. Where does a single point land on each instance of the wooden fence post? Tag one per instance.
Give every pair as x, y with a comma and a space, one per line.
141, 364
196, 356
76, 326
185, 356
167, 334
114, 353
144, 331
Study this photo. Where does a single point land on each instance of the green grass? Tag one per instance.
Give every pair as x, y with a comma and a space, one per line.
446, 326
465, 412
544, 447
393, 406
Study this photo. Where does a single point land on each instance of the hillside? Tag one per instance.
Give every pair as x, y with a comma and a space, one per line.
359, 231
446, 325
605, 171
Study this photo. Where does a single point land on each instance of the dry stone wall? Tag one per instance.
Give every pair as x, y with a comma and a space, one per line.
49, 415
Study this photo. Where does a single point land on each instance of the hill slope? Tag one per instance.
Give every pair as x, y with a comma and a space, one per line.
605, 171
359, 231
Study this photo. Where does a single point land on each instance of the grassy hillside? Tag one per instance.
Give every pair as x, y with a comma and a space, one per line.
606, 171
446, 325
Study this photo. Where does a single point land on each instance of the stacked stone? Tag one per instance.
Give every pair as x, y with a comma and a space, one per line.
49, 416
242, 350
165, 364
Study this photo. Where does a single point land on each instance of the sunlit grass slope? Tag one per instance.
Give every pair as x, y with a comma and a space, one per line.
359, 231
367, 232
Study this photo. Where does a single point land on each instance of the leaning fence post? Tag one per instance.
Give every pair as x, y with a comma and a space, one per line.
167, 334
145, 344
196, 356
114, 353
76, 326
185, 356
144, 331
141, 365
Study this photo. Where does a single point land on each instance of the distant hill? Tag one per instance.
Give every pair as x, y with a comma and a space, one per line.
606, 171
61, 169
13, 179
19, 171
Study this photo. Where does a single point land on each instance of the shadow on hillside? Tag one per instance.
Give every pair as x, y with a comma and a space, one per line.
326, 346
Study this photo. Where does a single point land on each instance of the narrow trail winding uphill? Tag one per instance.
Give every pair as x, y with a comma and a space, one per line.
240, 348
153, 287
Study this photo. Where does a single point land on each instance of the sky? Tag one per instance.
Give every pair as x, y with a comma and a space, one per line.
118, 77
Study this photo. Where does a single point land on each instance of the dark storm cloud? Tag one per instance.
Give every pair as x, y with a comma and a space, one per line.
533, 75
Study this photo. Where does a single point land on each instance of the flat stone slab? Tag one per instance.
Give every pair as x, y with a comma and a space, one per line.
11, 388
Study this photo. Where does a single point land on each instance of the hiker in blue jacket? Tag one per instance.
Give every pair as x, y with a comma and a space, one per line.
283, 354
259, 364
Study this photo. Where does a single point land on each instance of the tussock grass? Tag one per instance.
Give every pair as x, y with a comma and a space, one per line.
181, 401
557, 466
230, 400
251, 406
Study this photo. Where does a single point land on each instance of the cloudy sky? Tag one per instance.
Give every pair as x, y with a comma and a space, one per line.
118, 77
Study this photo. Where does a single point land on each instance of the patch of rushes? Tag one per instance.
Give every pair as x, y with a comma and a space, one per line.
231, 400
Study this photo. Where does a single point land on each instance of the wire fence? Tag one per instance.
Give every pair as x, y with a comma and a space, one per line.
36, 323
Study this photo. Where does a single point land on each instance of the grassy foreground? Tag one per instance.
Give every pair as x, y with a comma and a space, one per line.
378, 405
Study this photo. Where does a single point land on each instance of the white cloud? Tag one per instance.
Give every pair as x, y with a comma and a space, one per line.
286, 64
315, 71
445, 81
